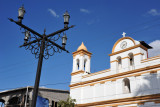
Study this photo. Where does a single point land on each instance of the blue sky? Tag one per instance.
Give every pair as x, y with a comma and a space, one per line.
99, 24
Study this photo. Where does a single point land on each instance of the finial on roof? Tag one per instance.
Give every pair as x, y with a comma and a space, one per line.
82, 47
124, 34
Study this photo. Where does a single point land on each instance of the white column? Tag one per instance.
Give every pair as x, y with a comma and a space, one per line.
88, 65
81, 63
125, 64
74, 65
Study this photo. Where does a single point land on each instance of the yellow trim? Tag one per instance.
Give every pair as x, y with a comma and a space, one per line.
127, 49
96, 73
78, 72
121, 40
124, 101
127, 57
82, 52
150, 59
152, 72
116, 75
138, 54
157, 101
113, 61
114, 79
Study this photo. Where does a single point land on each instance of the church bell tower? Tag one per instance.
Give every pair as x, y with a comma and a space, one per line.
81, 63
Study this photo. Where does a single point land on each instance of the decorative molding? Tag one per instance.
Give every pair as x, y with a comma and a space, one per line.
141, 103
138, 54
96, 73
113, 61
127, 57
131, 75
152, 72
150, 59
157, 101
113, 80
78, 72
91, 84
131, 100
102, 82
127, 49
82, 52
116, 75
121, 40
137, 75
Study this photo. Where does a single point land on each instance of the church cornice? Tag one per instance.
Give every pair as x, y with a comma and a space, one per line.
82, 52
150, 59
127, 49
78, 72
124, 101
127, 57
96, 73
114, 76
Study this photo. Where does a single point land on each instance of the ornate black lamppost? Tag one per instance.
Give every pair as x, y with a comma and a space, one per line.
42, 45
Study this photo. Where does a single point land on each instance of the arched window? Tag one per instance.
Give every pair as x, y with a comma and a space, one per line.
78, 62
119, 63
131, 61
126, 86
85, 62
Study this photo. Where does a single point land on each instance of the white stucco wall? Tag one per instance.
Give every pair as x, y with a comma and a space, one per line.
145, 84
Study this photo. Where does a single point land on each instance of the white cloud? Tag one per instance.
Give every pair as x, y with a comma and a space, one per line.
43, 87
154, 12
84, 10
53, 13
156, 48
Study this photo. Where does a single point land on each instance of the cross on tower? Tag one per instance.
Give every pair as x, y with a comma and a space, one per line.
124, 34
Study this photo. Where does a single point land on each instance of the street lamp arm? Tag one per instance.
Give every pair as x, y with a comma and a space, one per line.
57, 45
42, 45
59, 31
25, 27
34, 41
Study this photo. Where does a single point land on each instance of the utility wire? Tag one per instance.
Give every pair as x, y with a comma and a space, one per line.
142, 76
15, 76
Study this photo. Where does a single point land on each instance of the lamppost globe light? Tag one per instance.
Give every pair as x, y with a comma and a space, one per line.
27, 35
64, 40
21, 12
66, 17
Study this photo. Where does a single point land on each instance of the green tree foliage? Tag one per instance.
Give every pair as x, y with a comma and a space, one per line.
69, 103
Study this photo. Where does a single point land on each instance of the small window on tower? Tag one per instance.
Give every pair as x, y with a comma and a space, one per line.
119, 63
131, 61
85, 64
77, 64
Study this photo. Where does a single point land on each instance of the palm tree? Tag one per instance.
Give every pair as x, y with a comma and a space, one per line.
69, 103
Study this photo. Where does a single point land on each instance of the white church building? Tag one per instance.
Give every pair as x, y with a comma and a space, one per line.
133, 79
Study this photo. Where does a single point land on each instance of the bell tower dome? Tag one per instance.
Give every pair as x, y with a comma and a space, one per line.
81, 63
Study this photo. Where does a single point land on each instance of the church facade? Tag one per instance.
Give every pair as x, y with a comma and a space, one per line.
133, 79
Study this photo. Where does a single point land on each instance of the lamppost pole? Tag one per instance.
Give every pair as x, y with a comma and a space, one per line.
38, 74
42, 46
